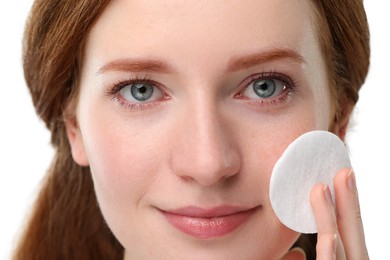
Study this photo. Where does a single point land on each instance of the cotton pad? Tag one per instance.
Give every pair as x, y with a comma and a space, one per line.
314, 157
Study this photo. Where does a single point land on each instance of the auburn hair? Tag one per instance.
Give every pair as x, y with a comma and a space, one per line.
66, 222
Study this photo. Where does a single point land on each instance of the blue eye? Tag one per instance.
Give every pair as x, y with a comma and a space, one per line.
265, 88
139, 92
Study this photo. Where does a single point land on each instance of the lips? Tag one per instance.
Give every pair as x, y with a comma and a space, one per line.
208, 223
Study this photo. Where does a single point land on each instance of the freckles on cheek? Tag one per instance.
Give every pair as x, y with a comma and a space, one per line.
270, 144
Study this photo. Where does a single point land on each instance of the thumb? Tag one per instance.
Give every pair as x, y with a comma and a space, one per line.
295, 254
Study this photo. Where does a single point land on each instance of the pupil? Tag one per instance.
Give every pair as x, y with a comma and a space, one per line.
142, 89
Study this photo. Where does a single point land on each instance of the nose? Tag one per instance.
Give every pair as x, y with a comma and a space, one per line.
204, 149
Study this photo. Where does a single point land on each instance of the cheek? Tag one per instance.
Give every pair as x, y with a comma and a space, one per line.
267, 138
122, 163
264, 140
124, 169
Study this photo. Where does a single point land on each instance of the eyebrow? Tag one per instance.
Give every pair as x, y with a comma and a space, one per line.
136, 65
239, 63
252, 60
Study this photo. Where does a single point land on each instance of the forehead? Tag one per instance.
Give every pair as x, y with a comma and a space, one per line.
196, 28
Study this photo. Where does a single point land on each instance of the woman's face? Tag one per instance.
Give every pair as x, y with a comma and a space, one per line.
184, 108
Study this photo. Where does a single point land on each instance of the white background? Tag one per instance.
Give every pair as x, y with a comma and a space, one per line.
25, 153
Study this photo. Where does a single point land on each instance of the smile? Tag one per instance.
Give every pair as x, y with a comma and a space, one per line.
208, 223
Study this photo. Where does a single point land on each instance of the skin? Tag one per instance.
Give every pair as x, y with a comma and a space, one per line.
204, 138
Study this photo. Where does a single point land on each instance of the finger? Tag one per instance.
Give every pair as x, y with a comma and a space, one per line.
348, 215
321, 201
295, 254
340, 252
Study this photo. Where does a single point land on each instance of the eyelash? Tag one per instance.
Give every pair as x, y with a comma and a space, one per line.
290, 85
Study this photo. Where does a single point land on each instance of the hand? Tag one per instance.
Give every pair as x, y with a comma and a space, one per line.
339, 237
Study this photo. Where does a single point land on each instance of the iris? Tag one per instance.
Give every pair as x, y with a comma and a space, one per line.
264, 88
141, 91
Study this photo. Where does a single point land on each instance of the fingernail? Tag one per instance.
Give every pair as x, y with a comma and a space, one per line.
351, 180
328, 196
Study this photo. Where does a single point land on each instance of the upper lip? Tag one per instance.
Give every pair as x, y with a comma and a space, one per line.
199, 212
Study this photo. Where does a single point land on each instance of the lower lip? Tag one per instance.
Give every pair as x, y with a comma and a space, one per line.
206, 228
